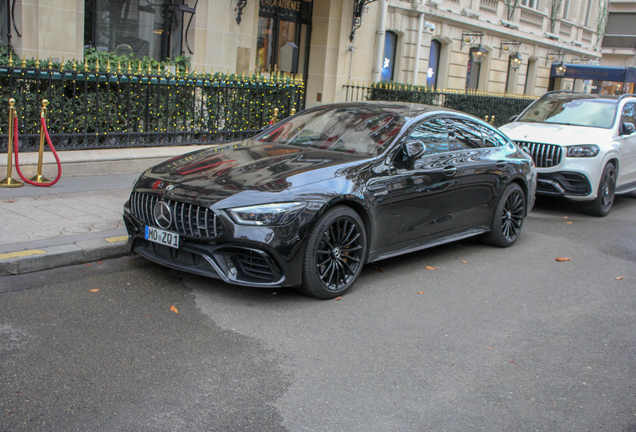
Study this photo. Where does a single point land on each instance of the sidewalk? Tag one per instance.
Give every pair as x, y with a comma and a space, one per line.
77, 220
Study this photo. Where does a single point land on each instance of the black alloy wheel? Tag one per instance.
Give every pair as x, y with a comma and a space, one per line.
602, 205
508, 218
335, 254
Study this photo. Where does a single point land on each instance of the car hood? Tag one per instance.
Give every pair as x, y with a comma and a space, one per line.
547, 133
241, 173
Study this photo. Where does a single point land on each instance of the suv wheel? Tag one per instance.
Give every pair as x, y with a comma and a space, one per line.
605, 197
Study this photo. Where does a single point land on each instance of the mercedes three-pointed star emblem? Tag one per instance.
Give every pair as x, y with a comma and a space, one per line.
162, 214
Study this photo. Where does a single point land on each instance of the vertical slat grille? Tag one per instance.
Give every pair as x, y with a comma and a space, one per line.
544, 155
187, 219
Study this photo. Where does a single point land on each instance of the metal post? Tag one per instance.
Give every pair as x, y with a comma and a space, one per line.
9, 182
38, 178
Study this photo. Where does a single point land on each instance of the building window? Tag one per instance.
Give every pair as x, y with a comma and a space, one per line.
534, 4
472, 73
433, 63
139, 27
388, 64
566, 9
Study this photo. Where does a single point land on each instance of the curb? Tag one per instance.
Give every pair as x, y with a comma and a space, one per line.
28, 261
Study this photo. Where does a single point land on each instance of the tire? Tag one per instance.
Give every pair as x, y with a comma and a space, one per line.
335, 254
508, 218
602, 205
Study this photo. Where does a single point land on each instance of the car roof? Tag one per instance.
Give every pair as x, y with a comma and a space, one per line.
577, 96
406, 109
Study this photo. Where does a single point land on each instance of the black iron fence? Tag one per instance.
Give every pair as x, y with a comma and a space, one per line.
494, 107
99, 110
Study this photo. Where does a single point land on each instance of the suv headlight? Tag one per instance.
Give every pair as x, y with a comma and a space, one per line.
590, 150
267, 214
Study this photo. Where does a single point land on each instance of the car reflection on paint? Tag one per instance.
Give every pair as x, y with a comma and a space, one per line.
310, 200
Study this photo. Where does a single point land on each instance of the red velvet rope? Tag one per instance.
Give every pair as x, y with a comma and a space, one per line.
48, 140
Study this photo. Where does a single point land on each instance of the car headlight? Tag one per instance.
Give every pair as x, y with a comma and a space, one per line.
267, 214
583, 151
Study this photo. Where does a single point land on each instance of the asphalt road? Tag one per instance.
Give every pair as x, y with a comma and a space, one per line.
494, 339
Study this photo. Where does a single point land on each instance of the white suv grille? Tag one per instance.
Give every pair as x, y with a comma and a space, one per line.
544, 155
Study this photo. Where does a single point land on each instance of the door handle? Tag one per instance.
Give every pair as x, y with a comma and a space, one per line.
502, 164
449, 171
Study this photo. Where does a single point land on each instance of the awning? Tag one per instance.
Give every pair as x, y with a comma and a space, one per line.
594, 72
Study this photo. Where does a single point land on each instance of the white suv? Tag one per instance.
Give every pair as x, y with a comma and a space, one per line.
584, 146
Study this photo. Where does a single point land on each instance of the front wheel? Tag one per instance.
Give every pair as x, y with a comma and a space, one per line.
335, 254
508, 218
605, 196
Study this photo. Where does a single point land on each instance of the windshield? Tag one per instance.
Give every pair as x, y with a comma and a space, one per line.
354, 130
571, 111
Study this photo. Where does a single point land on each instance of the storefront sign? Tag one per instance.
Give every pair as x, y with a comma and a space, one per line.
282, 4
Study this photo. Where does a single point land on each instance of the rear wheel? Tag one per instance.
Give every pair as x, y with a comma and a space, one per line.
602, 205
335, 254
508, 218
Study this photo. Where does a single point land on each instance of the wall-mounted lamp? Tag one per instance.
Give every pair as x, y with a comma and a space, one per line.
471, 38
560, 69
479, 54
515, 61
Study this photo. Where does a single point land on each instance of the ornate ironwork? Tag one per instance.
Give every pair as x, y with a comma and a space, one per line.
240, 5
358, 10
98, 110
471, 38
554, 57
509, 47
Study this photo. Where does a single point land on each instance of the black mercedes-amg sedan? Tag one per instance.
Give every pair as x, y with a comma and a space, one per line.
310, 200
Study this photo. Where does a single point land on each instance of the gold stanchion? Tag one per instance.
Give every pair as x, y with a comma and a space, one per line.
38, 178
275, 117
9, 182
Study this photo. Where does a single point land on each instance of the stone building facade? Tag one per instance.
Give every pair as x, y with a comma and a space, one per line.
423, 42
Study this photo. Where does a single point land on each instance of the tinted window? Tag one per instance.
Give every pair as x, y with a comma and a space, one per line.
463, 135
629, 113
360, 131
571, 111
433, 134
492, 138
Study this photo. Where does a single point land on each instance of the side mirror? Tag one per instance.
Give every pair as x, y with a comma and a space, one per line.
414, 148
627, 128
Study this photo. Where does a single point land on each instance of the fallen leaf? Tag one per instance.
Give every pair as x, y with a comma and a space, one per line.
430, 268
512, 361
490, 348
173, 309
561, 259
94, 290
565, 217
420, 292
465, 262
8, 201
375, 267
88, 264
569, 223
99, 262
337, 298
619, 278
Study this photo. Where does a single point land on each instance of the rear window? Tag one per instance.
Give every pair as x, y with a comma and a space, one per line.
360, 131
571, 111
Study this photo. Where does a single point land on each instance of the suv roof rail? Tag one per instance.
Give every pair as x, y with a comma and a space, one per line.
626, 95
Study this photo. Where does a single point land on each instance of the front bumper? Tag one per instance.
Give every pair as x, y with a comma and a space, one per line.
566, 184
255, 256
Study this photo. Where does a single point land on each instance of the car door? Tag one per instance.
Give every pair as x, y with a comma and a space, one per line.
627, 146
422, 196
479, 158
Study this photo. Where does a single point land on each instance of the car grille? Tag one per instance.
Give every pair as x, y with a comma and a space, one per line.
544, 155
187, 219
255, 265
